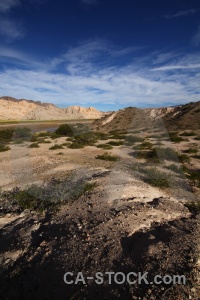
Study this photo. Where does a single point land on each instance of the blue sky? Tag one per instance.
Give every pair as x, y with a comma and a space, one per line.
108, 54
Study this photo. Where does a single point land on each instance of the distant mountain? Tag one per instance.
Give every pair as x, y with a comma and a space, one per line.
177, 117
22, 109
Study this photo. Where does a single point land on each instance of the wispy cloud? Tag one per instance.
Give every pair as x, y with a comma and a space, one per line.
6, 5
86, 82
182, 13
196, 38
11, 29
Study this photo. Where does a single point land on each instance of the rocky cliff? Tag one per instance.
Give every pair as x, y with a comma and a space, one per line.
13, 109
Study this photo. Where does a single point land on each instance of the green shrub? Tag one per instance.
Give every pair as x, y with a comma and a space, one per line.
104, 146
76, 145
183, 158
115, 143
86, 139
133, 139
175, 168
175, 138
4, 148
193, 206
197, 138
64, 130
6, 135
148, 155
156, 178
22, 132
34, 145
55, 147
107, 156
187, 133
190, 150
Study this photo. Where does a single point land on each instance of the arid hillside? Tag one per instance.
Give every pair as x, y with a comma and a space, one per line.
13, 109
179, 117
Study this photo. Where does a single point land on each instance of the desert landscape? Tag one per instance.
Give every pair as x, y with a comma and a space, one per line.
119, 193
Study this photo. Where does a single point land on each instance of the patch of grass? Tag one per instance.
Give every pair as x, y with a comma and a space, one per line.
156, 178
22, 132
76, 145
4, 148
146, 145
183, 158
193, 206
115, 143
105, 146
34, 145
55, 147
133, 139
175, 168
190, 150
175, 137
147, 155
188, 133
196, 156
49, 196
197, 138
107, 156
117, 136
193, 175
6, 135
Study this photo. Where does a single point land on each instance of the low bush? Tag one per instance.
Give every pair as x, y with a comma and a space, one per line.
105, 146
64, 130
4, 148
175, 168
6, 135
115, 143
193, 206
34, 145
188, 133
107, 156
175, 137
190, 150
22, 132
156, 178
55, 147
76, 145
183, 158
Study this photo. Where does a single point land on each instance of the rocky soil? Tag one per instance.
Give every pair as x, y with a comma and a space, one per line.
123, 225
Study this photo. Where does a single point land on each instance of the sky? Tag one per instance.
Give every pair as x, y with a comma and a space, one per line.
108, 54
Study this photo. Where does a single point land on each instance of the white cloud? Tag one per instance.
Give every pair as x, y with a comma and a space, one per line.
196, 38
182, 13
88, 83
6, 5
11, 29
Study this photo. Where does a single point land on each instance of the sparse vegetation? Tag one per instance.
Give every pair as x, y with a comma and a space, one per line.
190, 150
34, 145
175, 168
48, 197
115, 143
188, 133
55, 147
175, 137
4, 148
193, 206
105, 146
64, 130
76, 145
107, 156
156, 178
